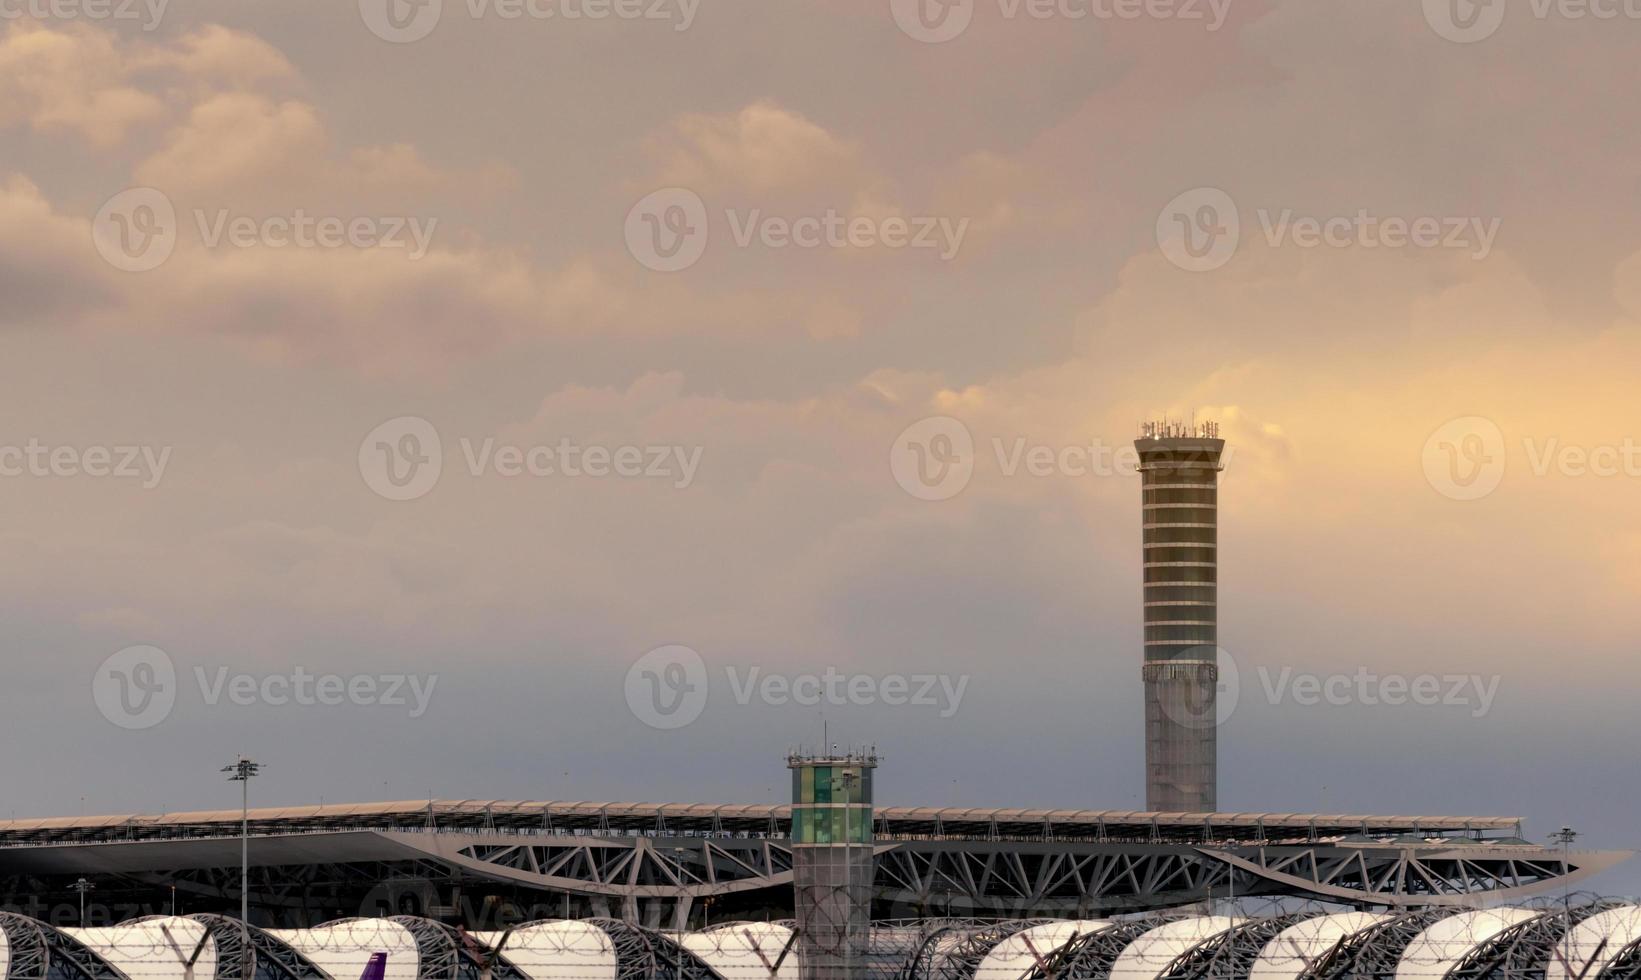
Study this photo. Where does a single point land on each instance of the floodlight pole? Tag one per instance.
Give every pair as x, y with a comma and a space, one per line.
82, 886
1565, 837
241, 772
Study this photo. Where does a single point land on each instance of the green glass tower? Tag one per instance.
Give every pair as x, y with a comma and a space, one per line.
832, 865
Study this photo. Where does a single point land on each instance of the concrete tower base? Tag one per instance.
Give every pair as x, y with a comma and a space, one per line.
1181, 743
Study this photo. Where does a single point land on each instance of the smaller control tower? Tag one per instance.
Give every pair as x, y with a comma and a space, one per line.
832, 865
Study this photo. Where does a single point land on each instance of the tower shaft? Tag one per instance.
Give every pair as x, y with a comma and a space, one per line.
1179, 478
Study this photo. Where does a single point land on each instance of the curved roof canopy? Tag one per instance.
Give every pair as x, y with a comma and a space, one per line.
1602, 937
1147, 957
1434, 952
1297, 948
1015, 956
747, 950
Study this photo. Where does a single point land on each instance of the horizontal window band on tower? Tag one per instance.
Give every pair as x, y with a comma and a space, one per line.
824, 826
1182, 535
1181, 515
1175, 553
1180, 575
1155, 473
1179, 634
1181, 616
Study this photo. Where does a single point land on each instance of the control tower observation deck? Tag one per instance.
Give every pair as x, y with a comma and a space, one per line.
1179, 479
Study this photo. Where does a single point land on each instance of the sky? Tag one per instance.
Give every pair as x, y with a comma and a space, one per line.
590, 399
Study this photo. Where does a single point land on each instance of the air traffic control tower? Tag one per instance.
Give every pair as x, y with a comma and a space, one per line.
1179, 479
832, 864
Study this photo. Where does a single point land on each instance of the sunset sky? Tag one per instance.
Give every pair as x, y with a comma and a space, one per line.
1047, 155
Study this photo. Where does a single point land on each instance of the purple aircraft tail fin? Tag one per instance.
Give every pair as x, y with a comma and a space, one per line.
376, 969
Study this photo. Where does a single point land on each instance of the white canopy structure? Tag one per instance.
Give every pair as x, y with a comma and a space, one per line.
1434, 952
1017, 955
1595, 944
747, 950
1297, 948
558, 950
343, 948
1429, 944
1153, 952
154, 949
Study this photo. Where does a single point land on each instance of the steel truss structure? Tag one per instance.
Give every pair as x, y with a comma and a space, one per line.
671, 865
